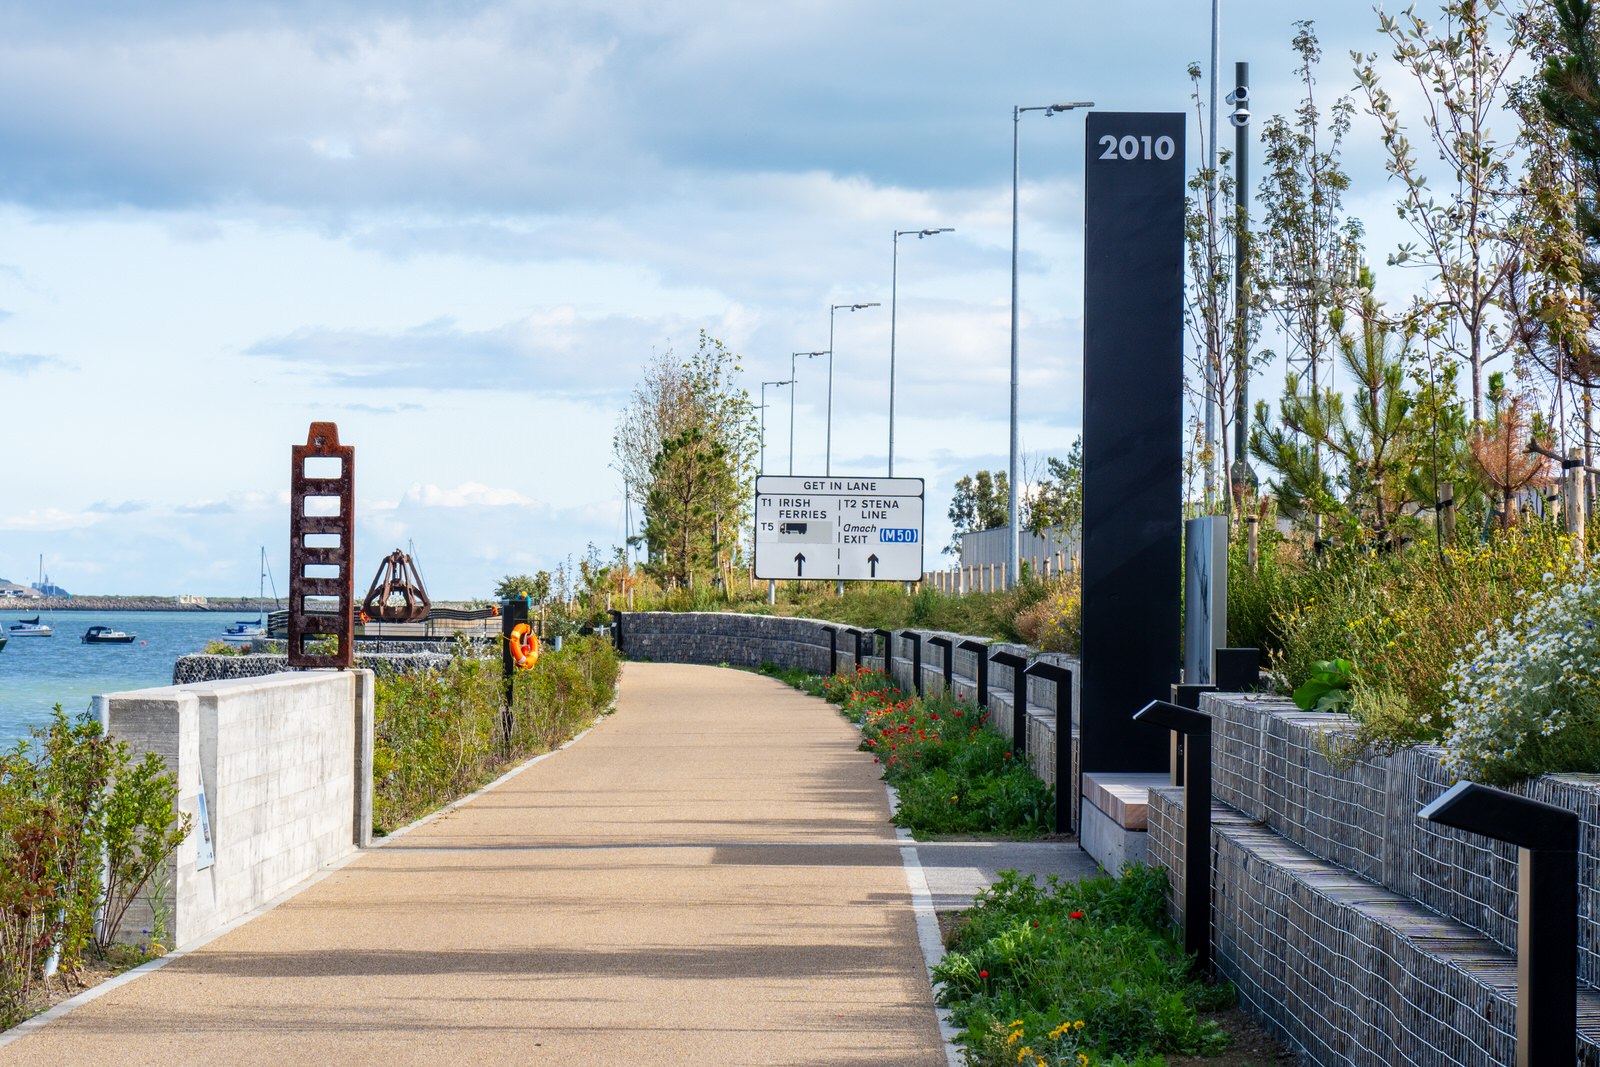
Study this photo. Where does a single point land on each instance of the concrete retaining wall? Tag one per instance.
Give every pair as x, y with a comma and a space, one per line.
285, 764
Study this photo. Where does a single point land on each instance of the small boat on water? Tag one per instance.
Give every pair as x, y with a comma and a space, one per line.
2, 643
30, 628
241, 632
105, 635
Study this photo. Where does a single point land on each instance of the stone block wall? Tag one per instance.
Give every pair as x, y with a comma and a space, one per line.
285, 764
200, 667
1358, 933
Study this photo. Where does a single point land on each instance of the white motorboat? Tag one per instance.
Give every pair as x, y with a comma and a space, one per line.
30, 628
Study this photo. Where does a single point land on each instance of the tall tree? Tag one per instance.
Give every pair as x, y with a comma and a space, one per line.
1311, 247
1057, 499
982, 501
691, 476
1463, 68
703, 393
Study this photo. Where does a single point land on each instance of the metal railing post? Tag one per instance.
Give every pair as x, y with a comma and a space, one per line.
1547, 909
1019, 698
1196, 889
981, 651
883, 642
944, 644
616, 629
1062, 677
916, 659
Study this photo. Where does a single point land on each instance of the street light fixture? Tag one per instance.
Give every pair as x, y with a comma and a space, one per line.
1014, 549
764, 419
894, 291
827, 465
792, 378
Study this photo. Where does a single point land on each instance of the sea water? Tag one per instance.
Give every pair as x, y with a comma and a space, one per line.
36, 673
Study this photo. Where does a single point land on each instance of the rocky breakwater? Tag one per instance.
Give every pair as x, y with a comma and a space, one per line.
203, 668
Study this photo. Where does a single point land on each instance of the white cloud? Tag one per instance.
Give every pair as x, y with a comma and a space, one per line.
467, 494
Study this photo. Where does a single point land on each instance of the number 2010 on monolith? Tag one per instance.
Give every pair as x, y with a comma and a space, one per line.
854, 529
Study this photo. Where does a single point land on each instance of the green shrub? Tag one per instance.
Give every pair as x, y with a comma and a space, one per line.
440, 735
1087, 968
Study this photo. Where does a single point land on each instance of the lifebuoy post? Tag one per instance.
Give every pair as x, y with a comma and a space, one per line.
513, 610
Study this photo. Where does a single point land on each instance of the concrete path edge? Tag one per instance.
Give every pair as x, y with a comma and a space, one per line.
45, 1018
928, 935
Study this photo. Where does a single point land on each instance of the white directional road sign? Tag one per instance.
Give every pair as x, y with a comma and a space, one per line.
857, 529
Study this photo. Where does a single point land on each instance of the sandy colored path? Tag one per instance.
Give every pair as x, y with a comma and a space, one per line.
708, 877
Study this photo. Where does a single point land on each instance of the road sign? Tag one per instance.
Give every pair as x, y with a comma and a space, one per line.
855, 529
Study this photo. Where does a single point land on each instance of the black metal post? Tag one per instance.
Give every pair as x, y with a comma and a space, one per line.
944, 644
1547, 909
1185, 696
916, 659
1065, 816
883, 642
981, 651
1196, 889
616, 629
1019, 698
1238, 670
833, 649
859, 636
512, 612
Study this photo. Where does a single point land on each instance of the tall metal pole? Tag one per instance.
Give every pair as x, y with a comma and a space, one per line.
792, 378
827, 453
1213, 373
764, 421
1014, 545
894, 291
1014, 493
1240, 476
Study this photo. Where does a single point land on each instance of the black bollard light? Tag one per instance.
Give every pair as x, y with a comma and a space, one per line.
1547, 909
981, 651
1019, 698
1185, 696
944, 644
1063, 679
833, 650
1196, 890
859, 636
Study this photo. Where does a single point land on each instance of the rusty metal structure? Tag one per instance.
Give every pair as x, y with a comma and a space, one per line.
397, 576
319, 544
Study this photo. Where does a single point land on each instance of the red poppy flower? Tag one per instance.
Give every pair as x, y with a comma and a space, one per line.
983, 974
1076, 915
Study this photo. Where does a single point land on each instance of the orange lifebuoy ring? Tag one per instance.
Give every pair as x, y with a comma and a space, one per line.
524, 645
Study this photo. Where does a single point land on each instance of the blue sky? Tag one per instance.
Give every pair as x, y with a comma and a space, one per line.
460, 229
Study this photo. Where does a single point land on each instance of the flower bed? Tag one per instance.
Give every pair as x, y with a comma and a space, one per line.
952, 774
1076, 973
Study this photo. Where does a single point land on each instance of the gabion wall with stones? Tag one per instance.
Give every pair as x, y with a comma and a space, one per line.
1359, 933
734, 639
202, 668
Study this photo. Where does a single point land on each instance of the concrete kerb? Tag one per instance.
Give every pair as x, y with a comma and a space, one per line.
45, 1018
928, 935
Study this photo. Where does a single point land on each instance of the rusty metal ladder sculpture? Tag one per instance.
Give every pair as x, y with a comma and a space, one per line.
309, 549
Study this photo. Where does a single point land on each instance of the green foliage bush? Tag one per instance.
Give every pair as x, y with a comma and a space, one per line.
73, 804
440, 735
1086, 967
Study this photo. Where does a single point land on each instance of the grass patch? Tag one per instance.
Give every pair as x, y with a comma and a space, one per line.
1076, 973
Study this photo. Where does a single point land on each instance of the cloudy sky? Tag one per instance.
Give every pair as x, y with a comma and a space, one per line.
460, 228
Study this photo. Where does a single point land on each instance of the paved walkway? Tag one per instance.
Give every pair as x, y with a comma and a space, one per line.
708, 877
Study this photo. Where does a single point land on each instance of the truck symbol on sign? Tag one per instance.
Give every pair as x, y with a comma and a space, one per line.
897, 537
792, 528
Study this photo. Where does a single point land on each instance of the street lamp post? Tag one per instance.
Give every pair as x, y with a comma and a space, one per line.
764, 419
894, 289
1013, 512
792, 357
827, 463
